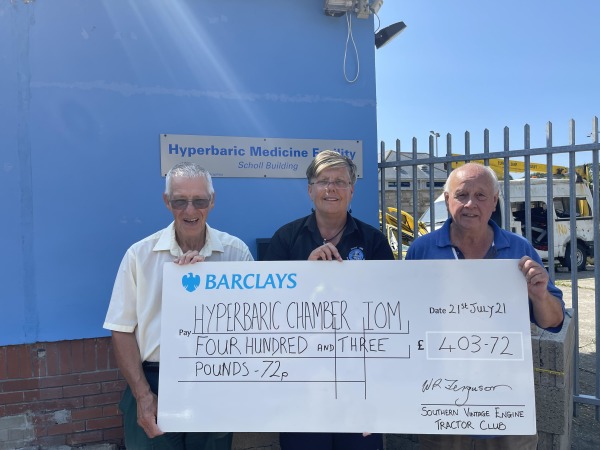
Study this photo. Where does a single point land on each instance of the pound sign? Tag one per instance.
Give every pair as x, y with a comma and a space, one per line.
420, 343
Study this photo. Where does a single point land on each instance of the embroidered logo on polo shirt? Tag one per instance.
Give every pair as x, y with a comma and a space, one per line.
356, 253
190, 282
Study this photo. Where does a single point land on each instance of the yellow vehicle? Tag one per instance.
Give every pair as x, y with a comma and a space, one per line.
407, 227
517, 167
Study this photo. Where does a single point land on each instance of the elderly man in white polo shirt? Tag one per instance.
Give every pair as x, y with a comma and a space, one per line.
134, 312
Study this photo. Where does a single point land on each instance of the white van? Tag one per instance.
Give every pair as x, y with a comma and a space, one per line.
539, 229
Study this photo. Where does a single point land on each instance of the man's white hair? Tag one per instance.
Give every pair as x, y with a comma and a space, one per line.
188, 170
485, 169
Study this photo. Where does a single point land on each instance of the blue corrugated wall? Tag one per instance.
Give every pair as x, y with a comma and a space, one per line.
86, 87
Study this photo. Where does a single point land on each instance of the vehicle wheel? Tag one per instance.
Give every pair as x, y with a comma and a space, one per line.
580, 257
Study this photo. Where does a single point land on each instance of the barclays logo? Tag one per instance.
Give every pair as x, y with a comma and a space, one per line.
190, 282
211, 281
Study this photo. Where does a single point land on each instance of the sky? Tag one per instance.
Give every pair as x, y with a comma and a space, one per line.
468, 65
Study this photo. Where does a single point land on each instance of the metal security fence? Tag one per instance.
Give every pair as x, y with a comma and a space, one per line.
411, 181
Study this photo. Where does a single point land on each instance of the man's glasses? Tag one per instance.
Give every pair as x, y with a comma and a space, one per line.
197, 203
338, 184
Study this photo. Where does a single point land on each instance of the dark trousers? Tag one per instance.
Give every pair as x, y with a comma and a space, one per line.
136, 438
330, 441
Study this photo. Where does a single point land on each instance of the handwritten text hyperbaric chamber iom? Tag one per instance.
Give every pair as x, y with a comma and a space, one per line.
296, 315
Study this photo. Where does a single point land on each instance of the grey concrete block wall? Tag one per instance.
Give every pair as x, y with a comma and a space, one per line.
553, 376
16, 431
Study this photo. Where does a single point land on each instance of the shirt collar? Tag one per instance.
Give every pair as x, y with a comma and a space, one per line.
167, 242
443, 237
491, 253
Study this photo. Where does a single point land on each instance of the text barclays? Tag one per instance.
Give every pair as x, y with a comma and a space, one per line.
250, 281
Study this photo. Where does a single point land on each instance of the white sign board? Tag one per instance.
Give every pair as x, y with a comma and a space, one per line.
246, 157
380, 346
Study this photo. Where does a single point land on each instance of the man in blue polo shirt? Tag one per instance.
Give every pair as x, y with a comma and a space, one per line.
471, 194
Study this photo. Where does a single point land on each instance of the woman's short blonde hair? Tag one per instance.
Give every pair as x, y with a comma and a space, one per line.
329, 159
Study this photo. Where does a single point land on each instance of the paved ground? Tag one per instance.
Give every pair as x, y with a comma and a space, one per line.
586, 429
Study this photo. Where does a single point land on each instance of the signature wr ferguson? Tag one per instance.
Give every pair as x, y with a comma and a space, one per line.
454, 385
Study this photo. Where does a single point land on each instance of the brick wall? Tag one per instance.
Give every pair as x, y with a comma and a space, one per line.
59, 393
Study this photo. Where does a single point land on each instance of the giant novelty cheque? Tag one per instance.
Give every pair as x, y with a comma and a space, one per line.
379, 346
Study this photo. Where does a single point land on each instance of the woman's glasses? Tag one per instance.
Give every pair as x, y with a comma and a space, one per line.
338, 184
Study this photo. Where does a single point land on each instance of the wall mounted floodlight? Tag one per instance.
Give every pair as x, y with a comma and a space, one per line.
337, 8
388, 33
